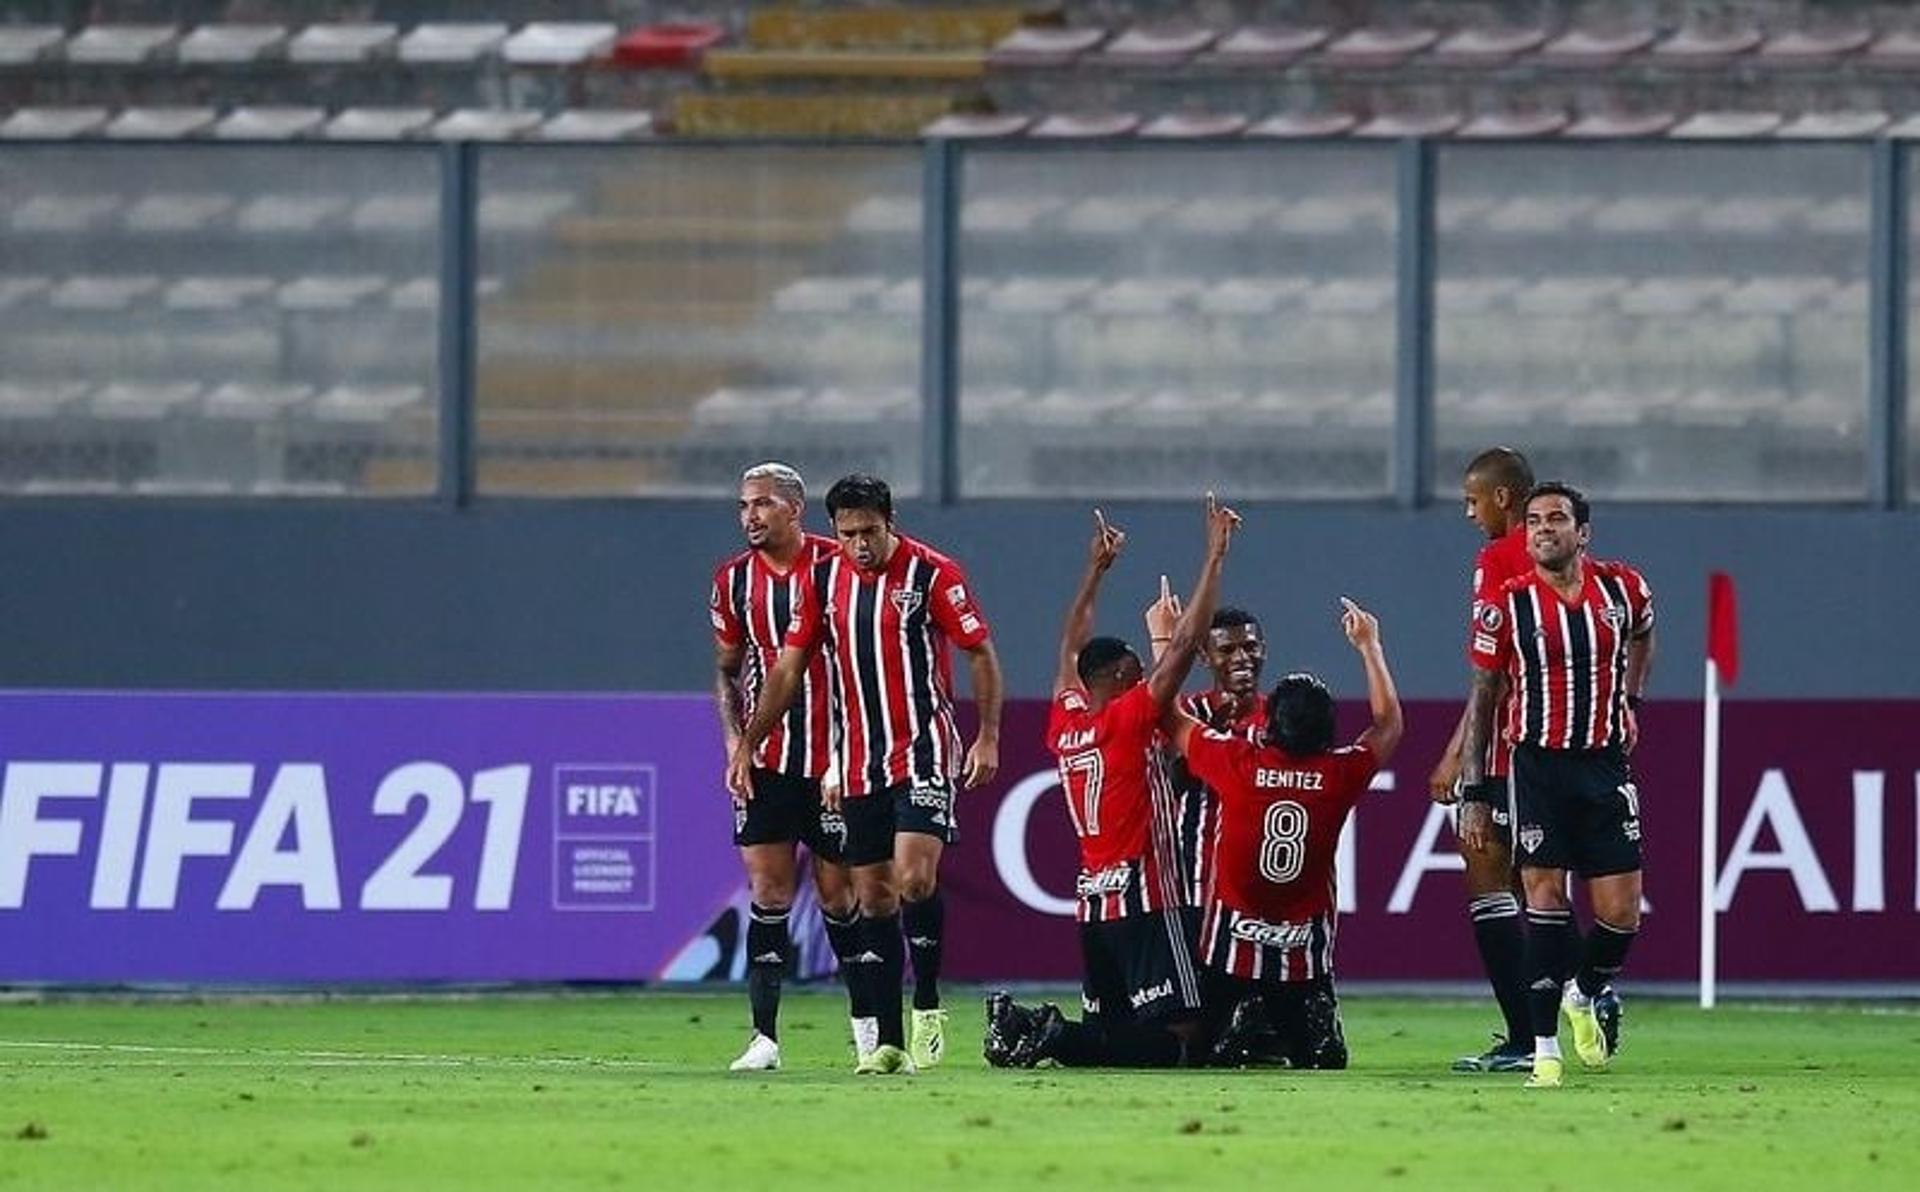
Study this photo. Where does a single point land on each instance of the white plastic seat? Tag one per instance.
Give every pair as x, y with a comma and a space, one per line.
1582, 49
53, 123
484, 124
1250, 296
1607, 125
22, 45
1834, 125
1038, 46
1039, 295
140, 402
232, 45
1485, 47
396, 213
120, 45
977, 125
269, 123
524, 210
1812, 47
1721, 126
1641, 214
857, 407
1513, 125
342, 44
254, 401
366, 403
1089, 127
160, 123
19, 288
1114, 215
827, 295
587, 124
1151, 46
452, 42
1703, 50
1376, 49
172, 211
63, 212
734, 405
90, 291
1146, 295
32, 400
1292, 126
330, 292
1188, 126
378, 124
1396, 125
1266, 45
290, 213
559, 43
216, 292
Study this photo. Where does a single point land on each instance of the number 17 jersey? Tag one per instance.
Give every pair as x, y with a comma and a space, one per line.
1120, 800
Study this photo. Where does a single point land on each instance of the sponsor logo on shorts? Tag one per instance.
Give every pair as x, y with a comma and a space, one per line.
832, 823
1089, 1005
935, 799
1501, 817
1112, 880
739, 817
1152, 993
1273, 935
1532, 836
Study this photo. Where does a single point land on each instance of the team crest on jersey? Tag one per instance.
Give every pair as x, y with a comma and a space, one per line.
906, 600
1488, 616
1614, 616
1532, 836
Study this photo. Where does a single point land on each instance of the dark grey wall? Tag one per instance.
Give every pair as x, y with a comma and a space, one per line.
609, 595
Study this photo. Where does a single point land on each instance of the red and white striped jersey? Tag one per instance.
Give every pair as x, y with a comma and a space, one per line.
752, 605
885, 634
1120, 800
1198, 812
1567, 662
1500, 560
1280, 822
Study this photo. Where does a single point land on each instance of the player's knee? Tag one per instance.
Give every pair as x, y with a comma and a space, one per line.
918, 887
878, 900
772, 894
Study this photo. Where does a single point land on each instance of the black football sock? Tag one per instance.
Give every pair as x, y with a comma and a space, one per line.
1551, 949
767, 946
843, 936
924, 921
1604, 955
883, 940
1113, 1045
1496, 932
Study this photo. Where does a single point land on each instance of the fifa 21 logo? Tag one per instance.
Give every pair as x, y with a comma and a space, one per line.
135, 827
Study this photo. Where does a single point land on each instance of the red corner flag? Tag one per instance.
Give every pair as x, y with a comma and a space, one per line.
1723, 628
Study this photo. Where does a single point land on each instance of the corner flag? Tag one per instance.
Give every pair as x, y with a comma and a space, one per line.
1723, 665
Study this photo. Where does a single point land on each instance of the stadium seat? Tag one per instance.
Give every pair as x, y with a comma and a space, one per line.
1699, 49
559, 43
216, 292
1645, 214
1304, 125
1895, 50
1376, 49
232, 45
174, 212
1146, 295
859, 407
587, 124
378, 124
1350, 297
1474, 295
1567, 296
64, 212
1513, 125
1043, 46
1153, 46
484, 124
120, 45
827, 295
1776, 295
56, 124
1065, 407
1753, 215
1670, 297
524, 211
1265, 46
1083, 127
1581, 49
1483, 48
1608, 125
1227, 215
270, 123
1834, 125
1715, 126
1241, 297
366, 403
668, 46
160, 123
17, 289
977, 125
141, 402
23, 45
274, 214
254, 401
398, 214
1534, 215
1114, 215
1194, 126
30, 400
1802, 47
454, 43
343, 44
321, 293
1396, 125
733, 405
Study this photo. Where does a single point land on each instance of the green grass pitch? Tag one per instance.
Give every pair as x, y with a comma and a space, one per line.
629, 1090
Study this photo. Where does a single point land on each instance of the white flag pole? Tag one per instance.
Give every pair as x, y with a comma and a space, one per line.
1709, 837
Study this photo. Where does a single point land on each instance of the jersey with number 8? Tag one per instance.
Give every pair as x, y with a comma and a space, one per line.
1280, 822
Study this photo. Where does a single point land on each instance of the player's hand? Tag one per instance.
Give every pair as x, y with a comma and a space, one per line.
1107, 541
1361, 627
1632, 730
1475, 829
740, 774
1443, 785
983, 762
1221, 523
1163, 614
832, 792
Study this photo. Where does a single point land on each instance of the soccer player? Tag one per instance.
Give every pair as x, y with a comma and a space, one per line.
1496, 482
1574, 640
1140, 986
884, 609
1268, 929
751, 606
1235, 653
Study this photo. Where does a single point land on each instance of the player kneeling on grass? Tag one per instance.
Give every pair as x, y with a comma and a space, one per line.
1141, 987
1267, 932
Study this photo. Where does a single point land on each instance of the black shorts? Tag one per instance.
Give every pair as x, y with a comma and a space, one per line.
785, 808
872, 820
1139, 967
1496, 793
1576, 809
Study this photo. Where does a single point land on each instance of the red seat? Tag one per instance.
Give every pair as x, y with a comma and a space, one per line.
676, 45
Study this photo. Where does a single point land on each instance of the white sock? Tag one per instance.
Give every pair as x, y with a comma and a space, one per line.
1547, 1046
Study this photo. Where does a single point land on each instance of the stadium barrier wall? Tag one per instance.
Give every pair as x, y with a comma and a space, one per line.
372, 838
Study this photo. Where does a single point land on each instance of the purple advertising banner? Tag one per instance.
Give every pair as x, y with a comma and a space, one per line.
376, 838
293, 838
